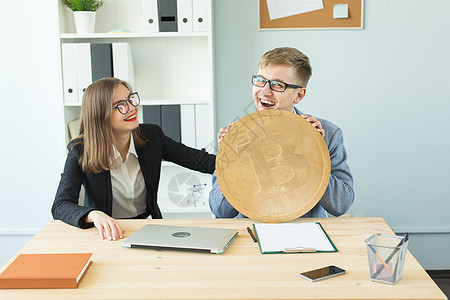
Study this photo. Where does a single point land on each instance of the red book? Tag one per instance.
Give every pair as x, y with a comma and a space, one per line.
45, 271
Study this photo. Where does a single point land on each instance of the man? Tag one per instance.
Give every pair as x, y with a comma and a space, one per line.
283, 74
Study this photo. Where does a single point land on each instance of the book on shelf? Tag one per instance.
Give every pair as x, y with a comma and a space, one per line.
45, 271
74, 128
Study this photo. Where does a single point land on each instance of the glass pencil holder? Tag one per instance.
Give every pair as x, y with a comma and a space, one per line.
386, 254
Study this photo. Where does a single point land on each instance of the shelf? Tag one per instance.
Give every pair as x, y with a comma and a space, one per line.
72, 104
128, 35
167, 101
170, 101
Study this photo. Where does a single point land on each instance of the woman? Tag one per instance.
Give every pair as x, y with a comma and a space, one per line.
118, 162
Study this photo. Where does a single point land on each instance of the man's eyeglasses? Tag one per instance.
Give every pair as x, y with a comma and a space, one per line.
123, 107
277, 86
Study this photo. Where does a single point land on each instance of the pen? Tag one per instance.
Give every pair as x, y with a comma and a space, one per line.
251, 234
388, 259
379, 258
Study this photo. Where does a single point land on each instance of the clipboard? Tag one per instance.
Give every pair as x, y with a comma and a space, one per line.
307, 237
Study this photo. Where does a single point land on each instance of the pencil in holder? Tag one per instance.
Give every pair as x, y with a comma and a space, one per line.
386, 254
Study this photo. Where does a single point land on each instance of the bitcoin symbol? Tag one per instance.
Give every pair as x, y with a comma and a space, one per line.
273, 157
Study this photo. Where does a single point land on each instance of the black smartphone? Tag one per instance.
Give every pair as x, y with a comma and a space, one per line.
322, 273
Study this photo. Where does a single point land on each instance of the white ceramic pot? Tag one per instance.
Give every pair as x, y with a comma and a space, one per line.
84, 21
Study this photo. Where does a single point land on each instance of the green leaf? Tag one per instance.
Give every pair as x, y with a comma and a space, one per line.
83, 5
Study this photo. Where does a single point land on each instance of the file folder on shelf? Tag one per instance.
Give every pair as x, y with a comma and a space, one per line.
184, 11
204, 130
187, 116
123, 62
69, 65
152, 114
77, 73
150, 15
167, 15
167, 117
84, 63
170, 121
200, 15
101, 61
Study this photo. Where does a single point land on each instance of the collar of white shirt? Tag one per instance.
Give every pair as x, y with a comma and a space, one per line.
131, 150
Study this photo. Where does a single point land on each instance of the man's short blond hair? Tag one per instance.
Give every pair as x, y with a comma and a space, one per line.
292, 57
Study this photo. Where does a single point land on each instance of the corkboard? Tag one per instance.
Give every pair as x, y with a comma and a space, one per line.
319, 19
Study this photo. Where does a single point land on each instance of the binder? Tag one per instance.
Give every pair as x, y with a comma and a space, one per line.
123, 62
150, 15
45, 271
187, 116
170, 121
167, 13
200, 15
204, 130
293, 238
152, 114
83, 64
70, 85
184, 11
101, 61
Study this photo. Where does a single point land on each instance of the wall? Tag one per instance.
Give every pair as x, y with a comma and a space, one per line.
386, 86
31, 120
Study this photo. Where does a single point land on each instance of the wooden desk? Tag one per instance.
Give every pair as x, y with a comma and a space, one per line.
241, 272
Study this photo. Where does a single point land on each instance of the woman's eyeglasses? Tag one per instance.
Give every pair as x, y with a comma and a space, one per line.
123, 107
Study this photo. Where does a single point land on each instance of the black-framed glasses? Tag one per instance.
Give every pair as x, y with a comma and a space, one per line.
123, 107
277, 86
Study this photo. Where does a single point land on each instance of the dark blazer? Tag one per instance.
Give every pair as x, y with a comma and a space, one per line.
98, 190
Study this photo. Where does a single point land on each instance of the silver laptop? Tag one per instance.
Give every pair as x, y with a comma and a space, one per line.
167, 237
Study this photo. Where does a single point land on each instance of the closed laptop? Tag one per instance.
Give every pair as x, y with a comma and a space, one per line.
168, 237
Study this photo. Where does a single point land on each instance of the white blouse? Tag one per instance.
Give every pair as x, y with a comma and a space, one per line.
128, 186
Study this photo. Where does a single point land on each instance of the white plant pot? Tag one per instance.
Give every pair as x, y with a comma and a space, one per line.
84, 21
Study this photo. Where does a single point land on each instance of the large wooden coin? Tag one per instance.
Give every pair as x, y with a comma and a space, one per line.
273, 166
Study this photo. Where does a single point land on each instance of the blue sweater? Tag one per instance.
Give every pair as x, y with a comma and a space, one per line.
338, 196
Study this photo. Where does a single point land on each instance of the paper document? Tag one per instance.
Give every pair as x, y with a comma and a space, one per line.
285, 8
289, 237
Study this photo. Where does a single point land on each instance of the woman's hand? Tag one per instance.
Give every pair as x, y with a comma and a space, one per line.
315, 123
223, 131
107, 227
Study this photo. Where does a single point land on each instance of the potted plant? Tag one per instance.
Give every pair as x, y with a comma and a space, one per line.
84, 12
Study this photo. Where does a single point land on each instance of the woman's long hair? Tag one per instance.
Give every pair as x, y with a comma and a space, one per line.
96, 132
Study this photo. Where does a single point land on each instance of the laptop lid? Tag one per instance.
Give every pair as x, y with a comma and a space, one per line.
168, 237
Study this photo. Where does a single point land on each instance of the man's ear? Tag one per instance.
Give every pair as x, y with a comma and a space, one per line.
300, 95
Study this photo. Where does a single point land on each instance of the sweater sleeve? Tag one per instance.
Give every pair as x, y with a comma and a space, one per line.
339, 195
218, 204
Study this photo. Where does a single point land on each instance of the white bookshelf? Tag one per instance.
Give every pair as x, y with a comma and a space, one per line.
169, 68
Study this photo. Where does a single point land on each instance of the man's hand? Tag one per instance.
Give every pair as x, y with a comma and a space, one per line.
315, 123
107, 227
223, 131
